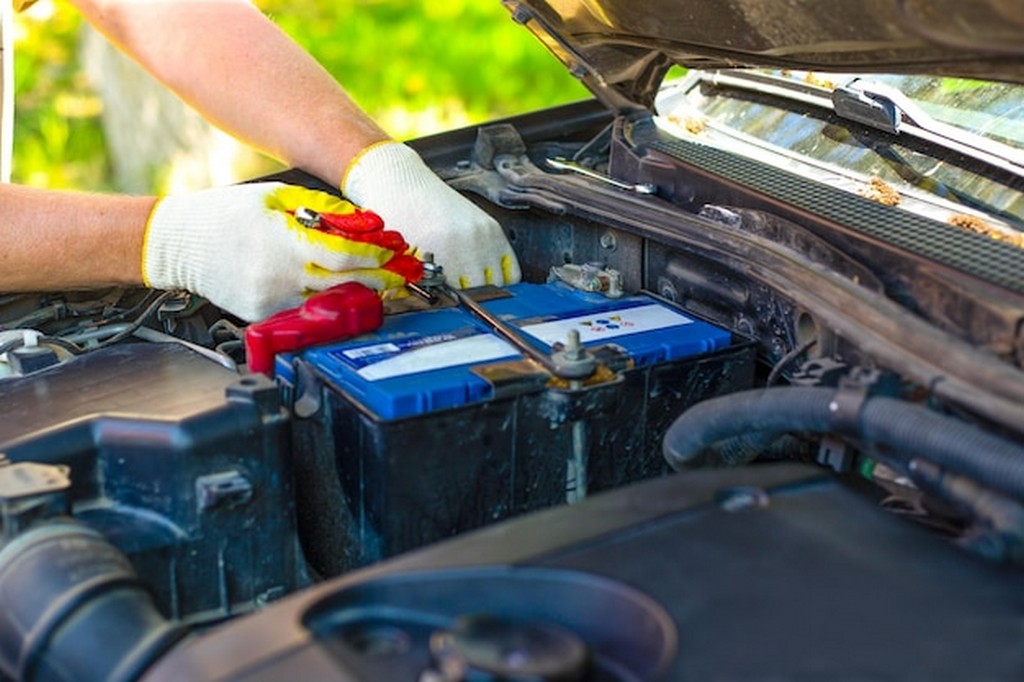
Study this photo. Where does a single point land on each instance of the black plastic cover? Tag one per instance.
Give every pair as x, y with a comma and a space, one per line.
763, 573
178, 461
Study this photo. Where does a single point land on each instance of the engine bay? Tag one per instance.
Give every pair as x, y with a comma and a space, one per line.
730, 321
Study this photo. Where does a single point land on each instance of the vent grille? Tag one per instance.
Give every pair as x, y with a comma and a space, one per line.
993, 261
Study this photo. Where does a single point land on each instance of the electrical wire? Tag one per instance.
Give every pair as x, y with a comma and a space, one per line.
787, 359
138, 321
64, 344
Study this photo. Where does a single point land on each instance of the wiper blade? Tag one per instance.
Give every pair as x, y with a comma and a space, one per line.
880, 107
885, 108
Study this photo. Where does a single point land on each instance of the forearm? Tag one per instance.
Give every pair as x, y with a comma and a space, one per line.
243, 74
63, 240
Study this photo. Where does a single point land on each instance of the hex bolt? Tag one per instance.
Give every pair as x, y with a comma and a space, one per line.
668, 290
573, 348
433, 273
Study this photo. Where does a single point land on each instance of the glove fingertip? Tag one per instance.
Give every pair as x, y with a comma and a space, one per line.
406, 266
510, 269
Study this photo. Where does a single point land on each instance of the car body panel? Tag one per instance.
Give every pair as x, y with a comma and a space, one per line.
621, 49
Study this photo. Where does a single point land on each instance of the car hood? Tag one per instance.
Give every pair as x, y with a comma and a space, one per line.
621, 49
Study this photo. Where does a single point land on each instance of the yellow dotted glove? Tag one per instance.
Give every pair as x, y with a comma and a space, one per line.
242, 248
391, 180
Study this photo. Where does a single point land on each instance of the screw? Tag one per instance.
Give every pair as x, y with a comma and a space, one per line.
573, 347
667, 290
608, 241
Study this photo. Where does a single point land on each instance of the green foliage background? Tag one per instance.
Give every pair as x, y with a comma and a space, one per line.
417, 66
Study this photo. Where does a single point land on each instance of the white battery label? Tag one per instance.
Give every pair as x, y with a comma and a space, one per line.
416, 357
375, 350
608, 324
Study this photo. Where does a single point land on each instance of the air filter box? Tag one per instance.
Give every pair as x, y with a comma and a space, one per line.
435, 425
179, 462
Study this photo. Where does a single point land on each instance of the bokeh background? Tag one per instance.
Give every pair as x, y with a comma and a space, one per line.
88, 119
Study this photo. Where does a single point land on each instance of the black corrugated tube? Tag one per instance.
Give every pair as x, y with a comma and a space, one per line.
899, 429
74, 611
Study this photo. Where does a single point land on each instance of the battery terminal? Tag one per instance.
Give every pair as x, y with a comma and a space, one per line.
590, 277
572, 360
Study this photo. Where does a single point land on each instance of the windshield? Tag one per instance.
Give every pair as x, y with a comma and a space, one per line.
786, 118
992, 110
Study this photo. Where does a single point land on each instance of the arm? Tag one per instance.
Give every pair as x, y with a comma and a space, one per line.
241, 72
54, 240
245, 75
62, 240
240, 246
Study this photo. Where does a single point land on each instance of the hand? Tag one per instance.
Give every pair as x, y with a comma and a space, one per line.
391, 180
243, 249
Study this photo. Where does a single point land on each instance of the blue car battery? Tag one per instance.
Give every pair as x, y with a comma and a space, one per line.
435, 424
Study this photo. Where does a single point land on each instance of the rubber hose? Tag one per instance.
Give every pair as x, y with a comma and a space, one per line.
749, 416
74, 611
904, 430
956, 446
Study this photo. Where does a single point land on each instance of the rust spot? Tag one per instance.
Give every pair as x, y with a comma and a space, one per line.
880, 191
814, 79
975, 224
692, 124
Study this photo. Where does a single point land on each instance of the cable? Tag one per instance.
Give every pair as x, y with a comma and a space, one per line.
788, 358
138, 321
64, 344
11, 345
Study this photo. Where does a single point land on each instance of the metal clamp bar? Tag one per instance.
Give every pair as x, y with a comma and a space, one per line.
501, 327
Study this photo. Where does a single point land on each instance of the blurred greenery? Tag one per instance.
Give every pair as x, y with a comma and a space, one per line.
58, 141
416, 66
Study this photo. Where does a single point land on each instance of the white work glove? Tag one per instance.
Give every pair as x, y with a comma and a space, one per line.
392, 180
242, 248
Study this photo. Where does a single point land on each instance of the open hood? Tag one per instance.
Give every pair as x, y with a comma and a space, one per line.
621, 49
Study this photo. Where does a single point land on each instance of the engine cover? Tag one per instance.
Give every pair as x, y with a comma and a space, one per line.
762, 573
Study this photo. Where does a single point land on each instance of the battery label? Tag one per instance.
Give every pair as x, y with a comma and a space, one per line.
608, 324
414, 355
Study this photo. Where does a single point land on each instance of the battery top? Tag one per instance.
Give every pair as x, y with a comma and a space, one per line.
422, 361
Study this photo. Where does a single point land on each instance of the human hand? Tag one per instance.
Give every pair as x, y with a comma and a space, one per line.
242, 248
392, 180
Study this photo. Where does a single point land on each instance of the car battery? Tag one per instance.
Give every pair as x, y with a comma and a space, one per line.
435, 424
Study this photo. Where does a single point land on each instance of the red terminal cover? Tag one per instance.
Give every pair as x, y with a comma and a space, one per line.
340, 312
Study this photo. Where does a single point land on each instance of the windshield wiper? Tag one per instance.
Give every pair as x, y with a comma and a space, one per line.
885, 108
880, 107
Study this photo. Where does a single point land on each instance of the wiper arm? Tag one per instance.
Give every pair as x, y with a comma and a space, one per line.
885, 108
880, 107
